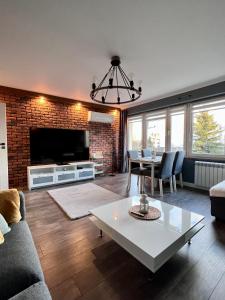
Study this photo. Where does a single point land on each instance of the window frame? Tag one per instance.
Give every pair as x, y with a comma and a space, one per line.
154, 115
191, 154
188, 124
180, 108
129, 119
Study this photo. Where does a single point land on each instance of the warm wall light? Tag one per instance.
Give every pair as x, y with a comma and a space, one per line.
78, 105
115, 112
41, 100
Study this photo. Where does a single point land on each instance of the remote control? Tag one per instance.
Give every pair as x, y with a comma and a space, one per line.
137, 213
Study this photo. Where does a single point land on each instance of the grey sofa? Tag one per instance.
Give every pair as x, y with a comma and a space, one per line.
21, 276
217, 197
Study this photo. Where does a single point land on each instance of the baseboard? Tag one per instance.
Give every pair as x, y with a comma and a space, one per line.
189, 184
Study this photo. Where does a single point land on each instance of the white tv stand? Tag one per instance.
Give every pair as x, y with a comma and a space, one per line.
46, 175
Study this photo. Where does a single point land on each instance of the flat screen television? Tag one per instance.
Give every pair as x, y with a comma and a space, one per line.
60, 146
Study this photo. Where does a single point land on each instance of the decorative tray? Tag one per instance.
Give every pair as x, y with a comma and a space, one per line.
153, 213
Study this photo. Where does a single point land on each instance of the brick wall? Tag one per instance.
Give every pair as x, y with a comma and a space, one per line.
27, 109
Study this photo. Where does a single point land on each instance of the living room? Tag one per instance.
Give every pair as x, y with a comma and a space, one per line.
112, 150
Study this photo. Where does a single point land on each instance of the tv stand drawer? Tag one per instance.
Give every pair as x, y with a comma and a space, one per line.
42, 180
85, 173
64, 177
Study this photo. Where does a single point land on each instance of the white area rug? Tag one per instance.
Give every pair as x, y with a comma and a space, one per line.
76, 201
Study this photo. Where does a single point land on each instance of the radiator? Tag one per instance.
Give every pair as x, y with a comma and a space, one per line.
208, 174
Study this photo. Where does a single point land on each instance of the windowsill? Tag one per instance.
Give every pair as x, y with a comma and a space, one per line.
208, 157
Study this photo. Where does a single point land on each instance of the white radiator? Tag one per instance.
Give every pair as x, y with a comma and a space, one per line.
208, 174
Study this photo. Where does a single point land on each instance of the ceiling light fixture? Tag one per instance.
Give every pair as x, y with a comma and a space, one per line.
116, 87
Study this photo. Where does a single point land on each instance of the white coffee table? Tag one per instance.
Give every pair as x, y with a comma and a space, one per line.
150, 242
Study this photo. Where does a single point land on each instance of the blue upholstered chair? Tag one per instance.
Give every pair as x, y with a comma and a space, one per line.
133, 154
146, 152
177, 168
165, 171
135, 167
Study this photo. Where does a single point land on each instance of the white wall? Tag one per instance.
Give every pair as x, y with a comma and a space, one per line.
3, 148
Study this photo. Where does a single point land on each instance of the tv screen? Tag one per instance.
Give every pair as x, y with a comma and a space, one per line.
49, 145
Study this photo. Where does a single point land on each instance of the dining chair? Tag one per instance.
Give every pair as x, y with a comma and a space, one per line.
133, 154
177, 168
135, 167
164, 171
146, 152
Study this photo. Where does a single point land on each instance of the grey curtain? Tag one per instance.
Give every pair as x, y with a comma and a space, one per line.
123, 142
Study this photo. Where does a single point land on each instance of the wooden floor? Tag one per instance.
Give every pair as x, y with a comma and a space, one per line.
80, 265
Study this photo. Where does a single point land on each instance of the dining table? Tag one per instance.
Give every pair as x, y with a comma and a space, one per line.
151, 162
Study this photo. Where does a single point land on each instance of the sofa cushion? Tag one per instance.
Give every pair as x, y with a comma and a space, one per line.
4, 228
10, 205
218, 190
22, 205
20, 266
1, 238
37, 291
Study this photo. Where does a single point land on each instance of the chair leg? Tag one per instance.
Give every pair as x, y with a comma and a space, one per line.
174, 183
143, 184
171, 184
129, 176
129, 183
160, 187
181, 180
138, 180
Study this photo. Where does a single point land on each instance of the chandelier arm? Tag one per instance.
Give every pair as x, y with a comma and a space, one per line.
124, 78
106, 93
125, 75
125, 83
113, 71
111, 76
100, 84
118, 94
128, 82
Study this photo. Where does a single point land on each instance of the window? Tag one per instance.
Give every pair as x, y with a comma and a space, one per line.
156, 131
208, 128
135, 133
177, 129
198, 129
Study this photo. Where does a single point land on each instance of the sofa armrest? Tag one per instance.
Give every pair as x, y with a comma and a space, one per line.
22, 205
37, 291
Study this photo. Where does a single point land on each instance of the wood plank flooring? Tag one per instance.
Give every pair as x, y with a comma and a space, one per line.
78, 264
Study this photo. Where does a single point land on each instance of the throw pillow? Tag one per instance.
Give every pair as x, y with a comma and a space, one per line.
1, 238
10, 205
4, 228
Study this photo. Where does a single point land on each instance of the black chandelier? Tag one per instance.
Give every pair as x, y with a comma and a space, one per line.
115, 87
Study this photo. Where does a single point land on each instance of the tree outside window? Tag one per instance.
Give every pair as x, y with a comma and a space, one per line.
208, 133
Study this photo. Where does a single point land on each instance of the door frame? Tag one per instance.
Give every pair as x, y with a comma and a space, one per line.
4, 181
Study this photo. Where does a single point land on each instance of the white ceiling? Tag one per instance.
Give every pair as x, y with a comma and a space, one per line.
56, 47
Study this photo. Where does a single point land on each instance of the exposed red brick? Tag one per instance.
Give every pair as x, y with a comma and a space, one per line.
24, 110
